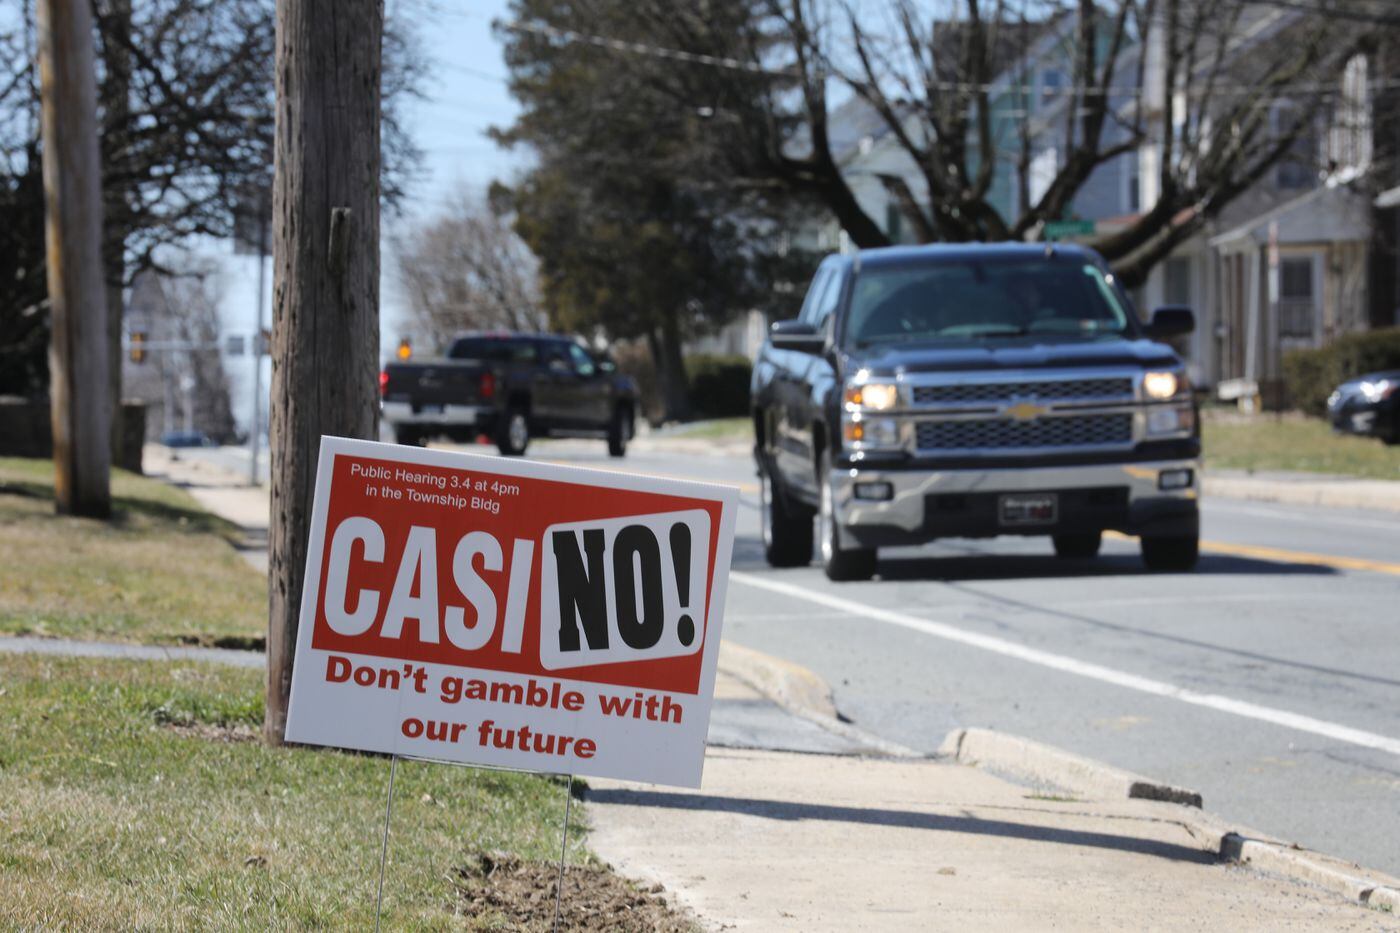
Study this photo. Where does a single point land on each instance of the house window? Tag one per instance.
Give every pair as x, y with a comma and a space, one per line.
1052, 83
1177, 290
1296, 306
1134, 184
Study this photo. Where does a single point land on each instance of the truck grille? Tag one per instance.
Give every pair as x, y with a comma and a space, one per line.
1003, 434
1003, 391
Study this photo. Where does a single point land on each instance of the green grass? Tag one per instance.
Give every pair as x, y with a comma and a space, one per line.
161, 571
716, 429
133, 796
1293, 442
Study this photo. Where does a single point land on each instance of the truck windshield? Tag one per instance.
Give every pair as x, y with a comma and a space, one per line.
984, 300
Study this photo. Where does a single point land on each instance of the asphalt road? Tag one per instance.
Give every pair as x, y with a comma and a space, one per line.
1268, 679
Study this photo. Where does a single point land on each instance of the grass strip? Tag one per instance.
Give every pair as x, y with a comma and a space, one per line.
135, 795
160, 572
1294, 443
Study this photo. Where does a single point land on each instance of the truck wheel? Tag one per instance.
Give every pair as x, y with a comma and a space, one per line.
840, 563
1170, 552
513, 434
787, 530
408, 437
619, 432
1078, 546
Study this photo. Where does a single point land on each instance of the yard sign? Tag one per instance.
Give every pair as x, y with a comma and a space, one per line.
513, 613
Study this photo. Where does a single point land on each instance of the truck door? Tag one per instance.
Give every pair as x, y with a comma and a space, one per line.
552, 386
797, 415
591, 402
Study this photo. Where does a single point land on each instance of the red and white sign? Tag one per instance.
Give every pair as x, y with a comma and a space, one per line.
512, 613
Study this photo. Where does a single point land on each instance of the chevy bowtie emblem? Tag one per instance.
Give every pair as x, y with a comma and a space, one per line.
1024, 411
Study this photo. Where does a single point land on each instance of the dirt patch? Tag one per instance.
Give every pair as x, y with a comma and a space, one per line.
213, 733
497, 888
231, 642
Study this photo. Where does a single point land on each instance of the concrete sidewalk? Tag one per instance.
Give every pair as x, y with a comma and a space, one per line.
1288, 488
779, 841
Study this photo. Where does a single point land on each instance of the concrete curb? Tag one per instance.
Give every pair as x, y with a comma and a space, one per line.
1328, 493
791, 686
1042, 763
63, 647
802, 693
1024, 758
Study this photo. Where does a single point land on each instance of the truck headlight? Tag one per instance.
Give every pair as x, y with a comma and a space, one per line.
1380, 389
876, 396
1161, 385
870, 433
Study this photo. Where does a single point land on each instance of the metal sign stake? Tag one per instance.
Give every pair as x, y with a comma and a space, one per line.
384, 847
563, 850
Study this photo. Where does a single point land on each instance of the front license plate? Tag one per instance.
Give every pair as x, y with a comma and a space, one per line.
1041, 508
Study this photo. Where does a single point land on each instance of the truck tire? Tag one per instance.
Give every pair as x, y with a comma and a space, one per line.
840, 563
1170, 552
787, 530
619, 432
1078, 546
513, 433
408, 437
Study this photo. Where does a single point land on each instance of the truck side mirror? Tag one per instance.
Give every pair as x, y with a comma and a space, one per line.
1171, 321
796, 335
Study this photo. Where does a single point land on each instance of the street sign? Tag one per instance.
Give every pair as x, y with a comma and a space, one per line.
1062, 229
511, 613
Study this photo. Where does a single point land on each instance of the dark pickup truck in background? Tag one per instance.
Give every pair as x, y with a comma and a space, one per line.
510, 387
973, 391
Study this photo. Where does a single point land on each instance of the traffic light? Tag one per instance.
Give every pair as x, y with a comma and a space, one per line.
137, 347
405, 349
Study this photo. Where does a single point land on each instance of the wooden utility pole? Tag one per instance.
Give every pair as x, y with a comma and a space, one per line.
78, 360
325, 336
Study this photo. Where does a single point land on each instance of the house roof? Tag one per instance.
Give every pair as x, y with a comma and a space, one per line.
1324, 214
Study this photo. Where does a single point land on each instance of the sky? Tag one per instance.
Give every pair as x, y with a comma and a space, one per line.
464, 94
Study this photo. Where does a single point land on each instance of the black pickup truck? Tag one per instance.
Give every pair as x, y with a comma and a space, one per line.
973, 391
510, 387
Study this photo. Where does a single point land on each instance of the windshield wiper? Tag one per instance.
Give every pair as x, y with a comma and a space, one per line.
1001, 330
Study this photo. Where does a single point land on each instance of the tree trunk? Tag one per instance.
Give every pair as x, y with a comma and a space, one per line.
667, 353
116, 118
325, 340
78, 363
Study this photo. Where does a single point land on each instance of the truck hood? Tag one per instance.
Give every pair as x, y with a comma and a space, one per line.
1024, 353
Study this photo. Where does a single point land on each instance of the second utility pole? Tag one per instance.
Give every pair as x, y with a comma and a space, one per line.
78, 359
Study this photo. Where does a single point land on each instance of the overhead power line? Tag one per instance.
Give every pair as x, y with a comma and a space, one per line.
1212, 89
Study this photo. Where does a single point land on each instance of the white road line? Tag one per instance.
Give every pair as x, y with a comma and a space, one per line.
1070, 665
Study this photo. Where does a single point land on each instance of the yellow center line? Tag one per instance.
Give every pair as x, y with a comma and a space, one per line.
1285, 556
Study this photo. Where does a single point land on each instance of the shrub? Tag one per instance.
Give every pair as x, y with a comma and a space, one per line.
1310, 375
719, 385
